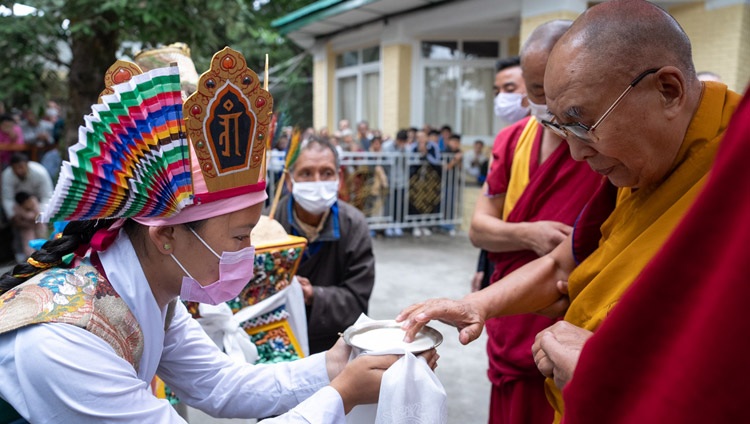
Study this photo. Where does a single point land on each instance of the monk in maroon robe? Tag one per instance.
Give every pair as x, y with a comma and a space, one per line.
673, 350
535, 191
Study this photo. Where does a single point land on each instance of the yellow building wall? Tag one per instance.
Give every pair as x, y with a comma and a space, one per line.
323, 84
530, 23
396, 64
320, 101
331, 74
514, 46
720, 39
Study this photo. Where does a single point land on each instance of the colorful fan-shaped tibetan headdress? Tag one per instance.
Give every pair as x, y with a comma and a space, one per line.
144, 154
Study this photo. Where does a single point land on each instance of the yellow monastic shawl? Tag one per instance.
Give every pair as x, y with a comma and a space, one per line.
643, 219
519, 168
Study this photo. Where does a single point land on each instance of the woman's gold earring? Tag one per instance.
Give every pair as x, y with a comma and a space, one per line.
167, 246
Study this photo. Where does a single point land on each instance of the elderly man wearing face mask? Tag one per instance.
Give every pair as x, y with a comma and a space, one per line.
337, 271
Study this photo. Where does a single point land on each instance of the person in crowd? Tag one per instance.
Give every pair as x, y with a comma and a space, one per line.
344, 125
658, 339
376, 203
39, 136
364, 135
11, 139
53, 115
348, 143
426, 169
533, 195
427, 148
452, 181
646, 123
31, 178
476, 162
400, 145
510, 101
709, 76
25, 211
412, 136
81, 338
37, 132
337, 271
445, 134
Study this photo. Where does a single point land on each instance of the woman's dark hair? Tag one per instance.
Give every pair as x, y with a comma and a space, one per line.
76, 233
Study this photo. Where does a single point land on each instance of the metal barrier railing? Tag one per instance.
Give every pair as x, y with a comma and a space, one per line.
395, 190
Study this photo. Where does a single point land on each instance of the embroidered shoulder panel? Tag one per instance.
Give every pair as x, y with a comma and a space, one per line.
79, 296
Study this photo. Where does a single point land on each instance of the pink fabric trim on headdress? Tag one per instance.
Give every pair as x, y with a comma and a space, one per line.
207, 210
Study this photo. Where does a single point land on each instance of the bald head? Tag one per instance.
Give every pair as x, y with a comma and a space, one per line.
639, 34
544, 37
534, 55
624, 74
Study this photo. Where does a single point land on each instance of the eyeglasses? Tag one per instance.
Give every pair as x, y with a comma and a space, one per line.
584, 132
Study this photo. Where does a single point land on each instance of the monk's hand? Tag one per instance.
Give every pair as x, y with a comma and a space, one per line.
337, 357
560, 306
543, 236
463, 314
359, 382
556, 351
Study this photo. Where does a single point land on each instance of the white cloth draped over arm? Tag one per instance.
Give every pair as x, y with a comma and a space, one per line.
59, 373
205, 378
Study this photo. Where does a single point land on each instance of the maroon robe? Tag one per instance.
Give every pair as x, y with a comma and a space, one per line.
674, 349
557, 191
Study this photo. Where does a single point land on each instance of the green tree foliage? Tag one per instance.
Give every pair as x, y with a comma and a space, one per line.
63, 49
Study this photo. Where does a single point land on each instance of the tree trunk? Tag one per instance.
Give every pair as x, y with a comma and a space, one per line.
92, 55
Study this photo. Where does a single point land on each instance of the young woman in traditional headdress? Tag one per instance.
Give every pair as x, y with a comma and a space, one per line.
80, 343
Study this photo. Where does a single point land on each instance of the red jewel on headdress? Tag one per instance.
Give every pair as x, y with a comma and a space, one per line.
260, 102
195, 110
227, 62
122, 75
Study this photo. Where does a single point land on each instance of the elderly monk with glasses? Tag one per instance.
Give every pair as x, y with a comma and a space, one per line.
624, 94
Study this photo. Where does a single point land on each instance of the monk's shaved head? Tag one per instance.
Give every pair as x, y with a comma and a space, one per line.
631, 35
534, 55
623, 76
544, 37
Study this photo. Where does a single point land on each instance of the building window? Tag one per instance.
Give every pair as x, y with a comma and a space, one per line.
458, 78
358, 86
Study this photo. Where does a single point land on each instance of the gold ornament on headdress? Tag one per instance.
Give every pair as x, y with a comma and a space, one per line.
227, 122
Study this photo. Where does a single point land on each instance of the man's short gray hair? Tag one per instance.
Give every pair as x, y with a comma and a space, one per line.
316, 143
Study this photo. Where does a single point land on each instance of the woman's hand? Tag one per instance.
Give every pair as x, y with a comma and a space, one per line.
337, 357
462, 314
359, 382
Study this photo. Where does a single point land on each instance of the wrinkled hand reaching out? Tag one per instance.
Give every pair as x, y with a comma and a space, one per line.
462, 314
556, 351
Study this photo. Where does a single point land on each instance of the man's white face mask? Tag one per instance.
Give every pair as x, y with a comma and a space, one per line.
509, 108
315, 196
